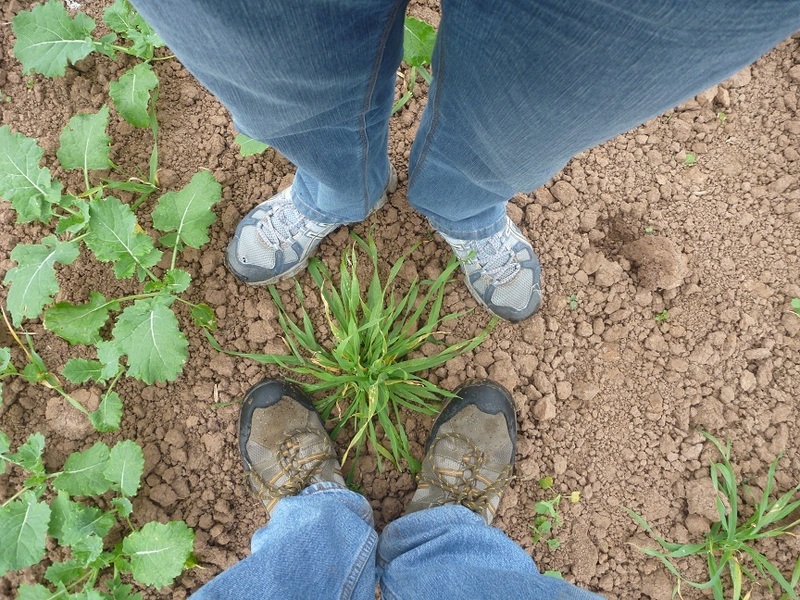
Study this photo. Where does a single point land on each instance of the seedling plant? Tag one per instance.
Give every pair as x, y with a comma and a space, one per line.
795, 304
547, 519
662, 316
54, 505
145, 332
367, 373
729, 547
419, 39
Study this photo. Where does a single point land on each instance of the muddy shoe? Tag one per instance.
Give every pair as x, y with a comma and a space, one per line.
470, 452
274, 241
283, 442
502, 272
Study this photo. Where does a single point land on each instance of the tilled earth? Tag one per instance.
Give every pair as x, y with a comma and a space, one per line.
610, 399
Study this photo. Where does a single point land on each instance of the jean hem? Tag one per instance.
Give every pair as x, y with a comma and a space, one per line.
469, 234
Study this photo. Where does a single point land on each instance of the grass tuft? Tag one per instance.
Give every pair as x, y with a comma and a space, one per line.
365, 371
728, 547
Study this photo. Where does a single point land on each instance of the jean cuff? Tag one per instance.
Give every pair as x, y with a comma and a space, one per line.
468, 234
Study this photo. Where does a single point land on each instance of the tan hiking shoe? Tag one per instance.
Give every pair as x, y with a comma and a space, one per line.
470, 452
283, 443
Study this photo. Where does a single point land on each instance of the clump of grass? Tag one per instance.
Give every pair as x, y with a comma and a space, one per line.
728, 546
365, 370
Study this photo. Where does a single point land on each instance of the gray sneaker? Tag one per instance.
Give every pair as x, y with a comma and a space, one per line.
502, 272
274, 241
283, 443
470, 452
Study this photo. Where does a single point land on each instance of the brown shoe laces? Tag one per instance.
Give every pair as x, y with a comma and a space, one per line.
465, 490
298, 471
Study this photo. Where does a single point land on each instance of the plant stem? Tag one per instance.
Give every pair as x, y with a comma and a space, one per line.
186, 302
70, 399
19, 492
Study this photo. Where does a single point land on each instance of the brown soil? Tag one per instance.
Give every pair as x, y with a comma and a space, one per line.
609, 399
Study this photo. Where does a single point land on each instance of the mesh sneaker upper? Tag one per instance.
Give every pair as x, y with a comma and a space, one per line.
502, 272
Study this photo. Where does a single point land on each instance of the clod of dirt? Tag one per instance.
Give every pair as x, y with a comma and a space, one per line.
608, 273
660, 263
66, 420
701, 499
545, 409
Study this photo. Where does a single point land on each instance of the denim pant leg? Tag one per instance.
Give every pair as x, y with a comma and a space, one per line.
521, 86
313, 78
319, 544
450, 552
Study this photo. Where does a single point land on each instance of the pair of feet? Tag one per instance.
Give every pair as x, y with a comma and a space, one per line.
274, 241
468, 458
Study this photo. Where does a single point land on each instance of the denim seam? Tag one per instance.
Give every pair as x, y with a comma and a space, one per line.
368, 101
359, 564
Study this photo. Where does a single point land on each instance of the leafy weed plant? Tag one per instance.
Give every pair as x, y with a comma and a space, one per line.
795, 304
729, 545
662, 317
145, 331
153, 555
419, 39
366, 372
546, 520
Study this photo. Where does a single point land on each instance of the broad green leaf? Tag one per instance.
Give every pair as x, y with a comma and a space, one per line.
82, 474
84, 143
5, 360
22, 182
29, 455
64, 572
125, 466
114, 236
122, 18
175, 281
81, 370
131, 94
48, 38
79, 324
147, 332
37, 592
74, 224
158, 552
33, 280
419, 39
122, 591
81, 521
89, 548
109, 414
109, 355
23, 529
188, 212
248, 146
59, 508
72, 521
204, 317
123, 506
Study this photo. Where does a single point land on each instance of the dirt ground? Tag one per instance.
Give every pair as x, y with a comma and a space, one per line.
609, 398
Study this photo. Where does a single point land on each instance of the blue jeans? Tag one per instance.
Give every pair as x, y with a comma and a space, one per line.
321, 544
520, 86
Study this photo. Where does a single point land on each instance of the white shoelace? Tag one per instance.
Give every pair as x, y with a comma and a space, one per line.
280, 226
495, 258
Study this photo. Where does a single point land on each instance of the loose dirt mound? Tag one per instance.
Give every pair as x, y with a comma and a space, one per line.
609, 399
